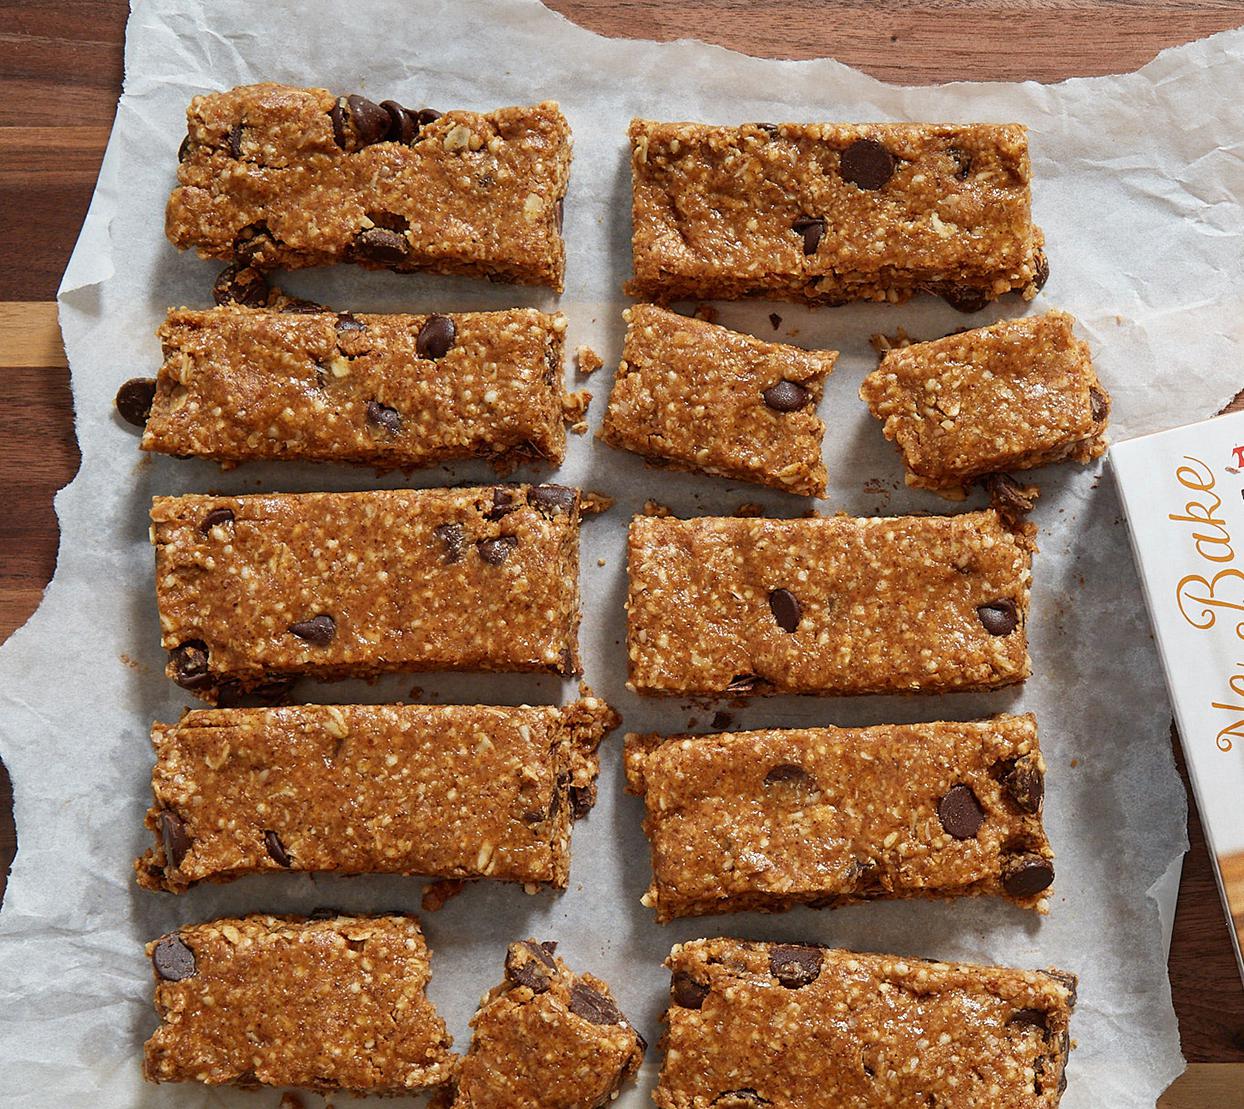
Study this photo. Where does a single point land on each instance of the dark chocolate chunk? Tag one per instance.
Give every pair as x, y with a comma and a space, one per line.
134, 400
235, 141
1026, 875
785, 608
382, 416
786, 396
276, 848
251, 243
1008, 497
592, 1005
215, 518
1043, 271
999, 617
452, 538
552, 499
424, 116
173, 960
190, 665
379, 244
318, 631
371, 121
1025, 784
580, 801
241, 284
337, 115
787, 772
176, 842
528, 964
436, 336
775, 320
960, 812
1098, 406
502, 504
769, 129
963, 298
686, 991
1067, 979
300, 306
742, 683
1028, 1018
347, 322
866, 163
963, 162
795, 965
184, 149
403, 126
811, 228
496, 551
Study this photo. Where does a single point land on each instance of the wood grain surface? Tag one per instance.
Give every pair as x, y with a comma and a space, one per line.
60, 74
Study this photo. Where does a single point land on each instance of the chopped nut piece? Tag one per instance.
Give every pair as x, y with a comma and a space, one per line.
587, 361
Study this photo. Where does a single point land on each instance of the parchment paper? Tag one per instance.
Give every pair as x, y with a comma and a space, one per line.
1136, 180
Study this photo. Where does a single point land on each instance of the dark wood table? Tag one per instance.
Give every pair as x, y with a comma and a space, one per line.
60, 75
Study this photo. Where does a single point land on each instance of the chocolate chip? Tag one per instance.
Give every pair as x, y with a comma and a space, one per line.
190, 665
424, 116
134, 400
1028, 1018
552, 499
436, 336
318, 631
592, 1005
775, 320
785, 608
786, 396
301, 307
173, 960
866, 163
999, 617
338, 116
963, 298
346, 322
252, 243
384, 417
1008, 497
184, 149
234, 141
786, 772
742, 683
215, 518
769, 129
686, 991
960, 812
496, 551
370, 120
451, 537
1067, 979
276, 848
528, 964
390, 221
811, 228
795, 965
176, 842
1098, 406
580, 801
1042, 274
1026, 875
963, 162
1025, 784
240, 284
403, 126
379, 244
502, 504
739, 1099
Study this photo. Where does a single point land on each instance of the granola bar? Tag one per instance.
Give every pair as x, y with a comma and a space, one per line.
272, 176
333, 1004
447, 791
1011, 396
545, 1039
794, 1025
261, 588
389, 391
702, 397
833, 212
831, 605
830, 816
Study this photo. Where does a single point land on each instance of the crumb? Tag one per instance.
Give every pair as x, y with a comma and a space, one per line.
130, 663
574, 409
707, 313
750, 510
775, 319
600, 562
656, 508
593, 503
579, 428
722, 719
1075, 763
883, 343
587, 361
435, 894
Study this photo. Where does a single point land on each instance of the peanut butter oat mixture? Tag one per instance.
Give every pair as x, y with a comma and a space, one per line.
793, 1026
545, 1039
335, 1004
1011, 396
273, 176
392, 391
449, 791
701, 397
907, 604
259, 588
829, 816
829, 213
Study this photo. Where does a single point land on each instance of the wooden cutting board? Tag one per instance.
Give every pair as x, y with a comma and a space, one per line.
60, 75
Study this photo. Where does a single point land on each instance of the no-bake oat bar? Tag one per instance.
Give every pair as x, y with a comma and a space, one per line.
447, 791
390, 391
545, 1039
702, 397
793, 1026
272, 176
333, 1004
833, 212
256, 589
831, 605
1017, 394
829, 816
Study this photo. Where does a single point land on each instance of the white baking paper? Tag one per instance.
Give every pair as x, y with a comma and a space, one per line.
1136, 180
